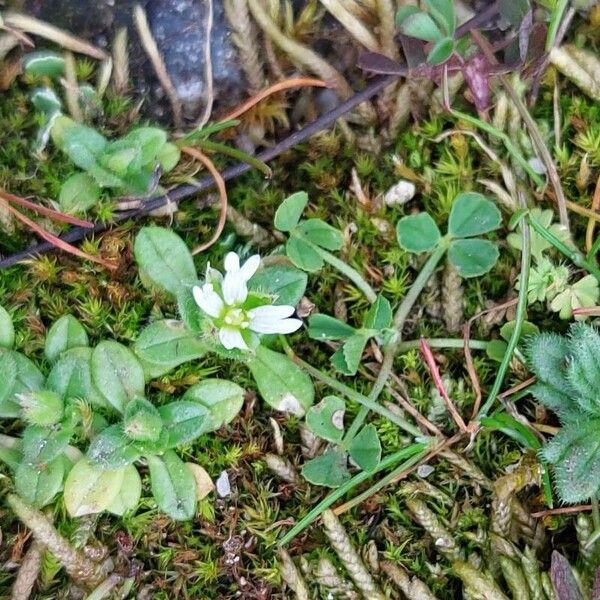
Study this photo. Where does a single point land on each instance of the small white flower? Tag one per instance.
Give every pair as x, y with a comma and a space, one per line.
224, 299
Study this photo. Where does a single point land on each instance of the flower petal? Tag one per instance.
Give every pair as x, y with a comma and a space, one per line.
232, 262
232, 338
208, 300
280, 326
212, 275
250, 267
234, 288
272, 312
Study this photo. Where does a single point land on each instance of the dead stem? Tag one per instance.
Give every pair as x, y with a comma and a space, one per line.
589, 232
151, 49
28, 572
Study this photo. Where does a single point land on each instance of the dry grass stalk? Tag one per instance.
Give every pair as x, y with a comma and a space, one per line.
72, 88
452, 299
531, 568
479, 584
245, 38
120, 55
353, 26
580, 66
327, 576
54, 34
515, 578
292, 577
349, 557
282, 467
299, 53
413, 589
442, 538
28, 572
258, 235
151, 49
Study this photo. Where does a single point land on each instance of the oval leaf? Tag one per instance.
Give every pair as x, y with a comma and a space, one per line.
417, 233
173, 486
281, 382
117, 374
44, 64
326, 419
324, 327
421, 26
222, 399
128, 496
38, 487
284, 283
379, 315
473, 214
441, 52
184, 421
66, 333
303, 255
329, 469
164, 258
290, 210
322, 234
365, 448
472, 258
7, 330
90, 490
78, 194
112, 449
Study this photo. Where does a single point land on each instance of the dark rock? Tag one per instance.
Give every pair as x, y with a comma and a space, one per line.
179, 28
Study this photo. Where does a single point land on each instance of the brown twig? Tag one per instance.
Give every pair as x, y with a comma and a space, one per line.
210, 165
565, 510
517, 388
439, 384
589, 232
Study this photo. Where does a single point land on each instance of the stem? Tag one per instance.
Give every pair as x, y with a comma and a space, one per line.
82, 570
443, 343
573, 255
393, 348
404, 454
352, 274
365, 401
519, 318
595, 512
591, 255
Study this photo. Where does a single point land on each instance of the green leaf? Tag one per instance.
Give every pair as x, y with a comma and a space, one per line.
168, 157
515, 429
473, 214
26, 379
150, 141
379, 315
164, 258
290, 210
7, 330
164, 345
117, 374
37, 486
47, 102
303, 255
514, 11
405, 11
347, 358
130, 491
90, 490
443, 13
472, 258
575, 453
282, 383
324, 327
441, 52
44, 64
71, 377
284, 283
184, 421
365, 448
417, 233
42, 407
82, 144
41, 445
66, 333
78, 194
142, 421
583, 369
222, 399
326, 419
112, 449
173, 486
322, 234
328, 469
421, 26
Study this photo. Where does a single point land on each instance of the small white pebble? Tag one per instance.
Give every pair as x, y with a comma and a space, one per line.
425, 470
223, 485
400, 193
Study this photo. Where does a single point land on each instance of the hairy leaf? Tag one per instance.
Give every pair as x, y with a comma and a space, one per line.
64, 334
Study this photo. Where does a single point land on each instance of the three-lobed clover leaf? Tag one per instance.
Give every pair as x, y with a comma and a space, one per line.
326, 419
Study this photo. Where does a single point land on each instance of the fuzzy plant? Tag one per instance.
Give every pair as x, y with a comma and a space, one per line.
568, 382
88, 424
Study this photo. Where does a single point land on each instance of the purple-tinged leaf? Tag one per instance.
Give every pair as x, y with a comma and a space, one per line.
563, 580
378, 63
477, 72
595, 595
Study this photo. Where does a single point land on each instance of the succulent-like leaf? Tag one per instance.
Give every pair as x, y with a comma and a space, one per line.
66, 333
563, 579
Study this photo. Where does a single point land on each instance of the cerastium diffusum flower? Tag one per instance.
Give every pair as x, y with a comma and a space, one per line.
237, 314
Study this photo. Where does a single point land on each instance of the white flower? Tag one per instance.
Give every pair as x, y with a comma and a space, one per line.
225, 300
